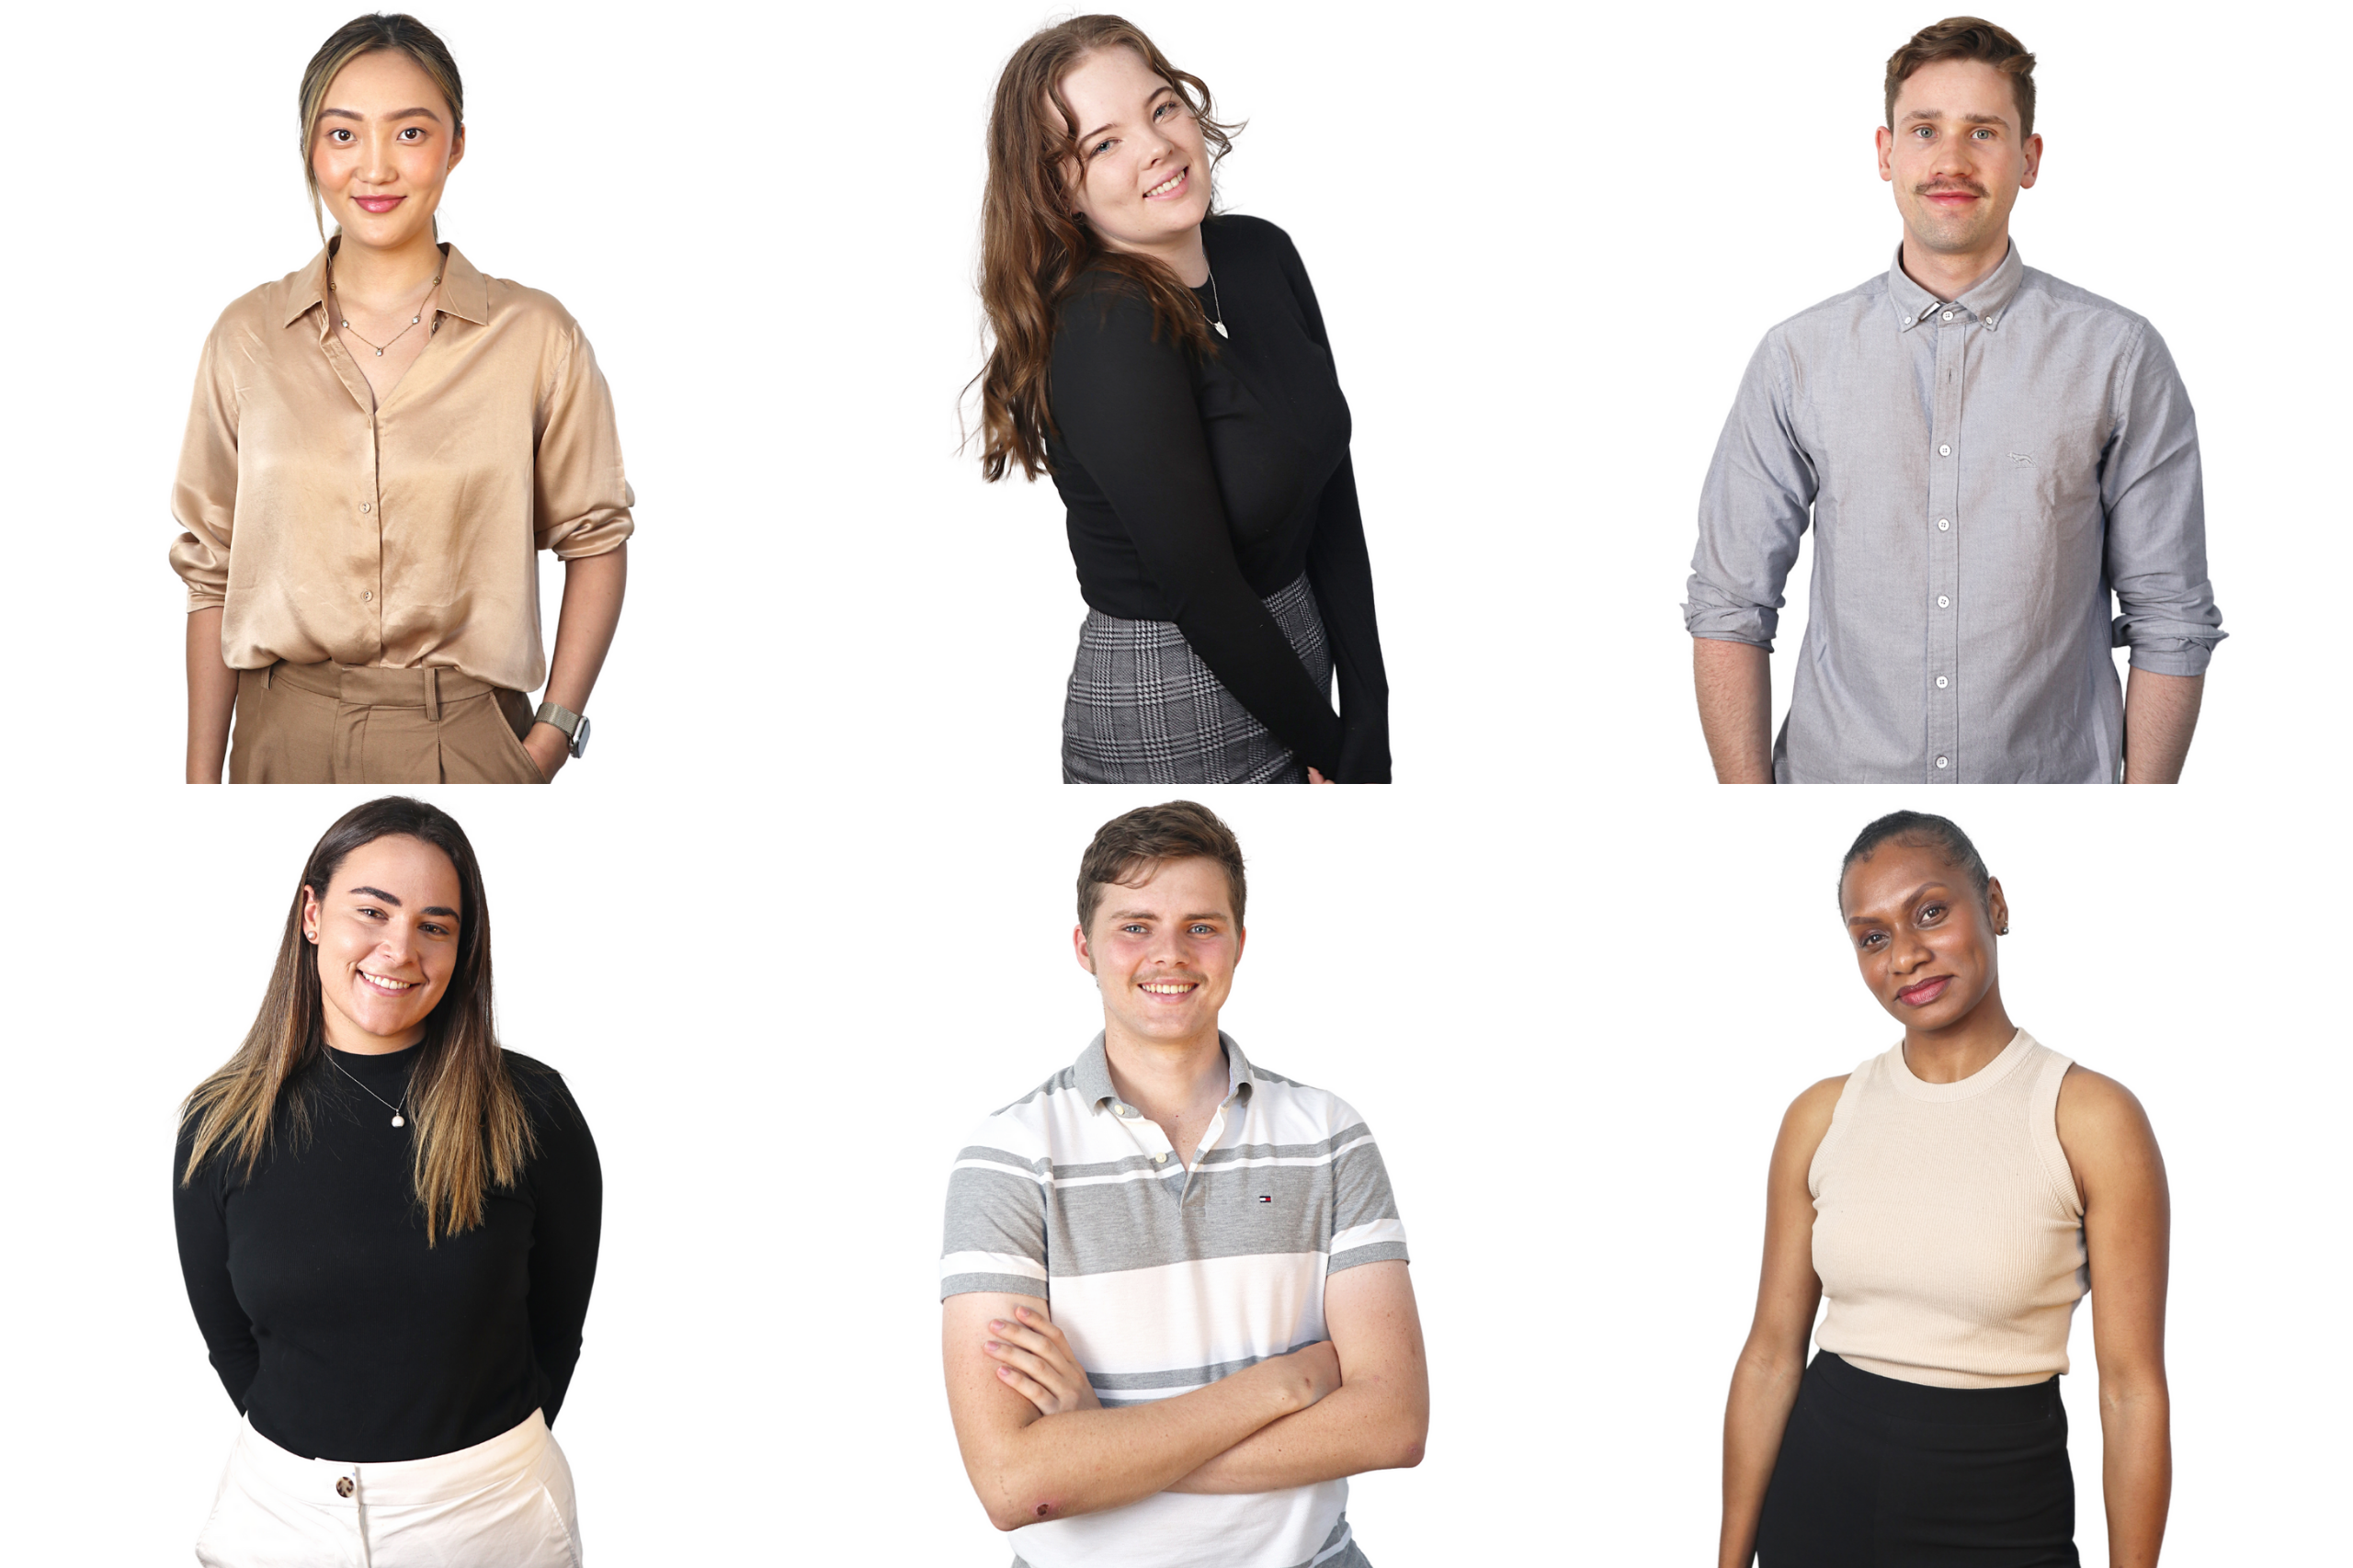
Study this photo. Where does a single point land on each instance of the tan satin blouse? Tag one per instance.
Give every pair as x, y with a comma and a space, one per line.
406, 534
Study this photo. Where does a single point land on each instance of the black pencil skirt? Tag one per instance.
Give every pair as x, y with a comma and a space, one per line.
1878, 1473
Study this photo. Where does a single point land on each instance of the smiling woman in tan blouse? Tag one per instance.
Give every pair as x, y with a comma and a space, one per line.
379, 445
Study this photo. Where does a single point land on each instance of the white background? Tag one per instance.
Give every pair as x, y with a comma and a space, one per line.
802, 915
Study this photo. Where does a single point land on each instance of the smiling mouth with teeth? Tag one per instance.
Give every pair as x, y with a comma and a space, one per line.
1171, 183
384, 984
1168, 987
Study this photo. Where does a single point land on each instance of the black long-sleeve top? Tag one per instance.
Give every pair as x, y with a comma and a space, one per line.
1197, 485
335, 1329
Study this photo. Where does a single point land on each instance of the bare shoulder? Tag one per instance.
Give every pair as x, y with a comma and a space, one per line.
1807, 1121
2106, 1135
2098, 1105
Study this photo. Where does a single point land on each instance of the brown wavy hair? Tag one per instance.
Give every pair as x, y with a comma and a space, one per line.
1034, 249
472, 1131
1966, 38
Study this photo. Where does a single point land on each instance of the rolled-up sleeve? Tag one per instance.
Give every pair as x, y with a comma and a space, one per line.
2153, 493
1753, 511
581, 494
204, 492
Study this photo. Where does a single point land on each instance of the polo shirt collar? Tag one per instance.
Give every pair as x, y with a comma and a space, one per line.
1092, 1072
465, 292
1988, 299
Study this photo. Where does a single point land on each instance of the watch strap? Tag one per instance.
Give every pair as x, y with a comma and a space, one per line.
573, 725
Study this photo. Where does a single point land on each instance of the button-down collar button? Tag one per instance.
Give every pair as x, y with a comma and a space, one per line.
1944, 524
1989, 320
1940, 683
1943, 603
1944, 451
343, 1486
1943, 763
363, 505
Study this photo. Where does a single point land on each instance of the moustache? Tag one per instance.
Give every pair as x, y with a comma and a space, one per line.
1941, 187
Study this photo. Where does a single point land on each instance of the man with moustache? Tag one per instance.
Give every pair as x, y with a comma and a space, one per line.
1177, 1313
1987, 454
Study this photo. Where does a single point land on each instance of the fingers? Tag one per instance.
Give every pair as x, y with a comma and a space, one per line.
1031, 1390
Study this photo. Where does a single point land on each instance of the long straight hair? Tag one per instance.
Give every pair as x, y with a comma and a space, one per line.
395, 31
471, 1133
1034, 248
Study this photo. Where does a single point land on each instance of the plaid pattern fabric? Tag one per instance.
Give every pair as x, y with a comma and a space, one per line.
1143, 709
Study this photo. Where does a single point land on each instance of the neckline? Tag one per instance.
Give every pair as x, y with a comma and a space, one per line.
1913, 1087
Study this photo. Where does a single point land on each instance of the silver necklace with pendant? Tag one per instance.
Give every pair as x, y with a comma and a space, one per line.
1217, 304
398, 1119
345, 322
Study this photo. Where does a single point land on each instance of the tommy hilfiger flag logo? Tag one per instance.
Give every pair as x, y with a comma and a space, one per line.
1265, 1198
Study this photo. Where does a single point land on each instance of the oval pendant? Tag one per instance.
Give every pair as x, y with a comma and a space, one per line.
380, 354
398, 1122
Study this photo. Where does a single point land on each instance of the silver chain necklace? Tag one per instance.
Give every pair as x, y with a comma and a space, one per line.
1217, 304
344, 323
398, 1119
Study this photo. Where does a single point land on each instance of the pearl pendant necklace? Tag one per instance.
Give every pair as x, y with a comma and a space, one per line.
398, 1119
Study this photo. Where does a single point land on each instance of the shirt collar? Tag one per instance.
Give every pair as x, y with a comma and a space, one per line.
1987, 301
465, 292
1092, 1072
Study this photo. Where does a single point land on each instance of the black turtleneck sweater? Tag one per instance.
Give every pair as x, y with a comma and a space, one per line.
1198, 485
335, 1328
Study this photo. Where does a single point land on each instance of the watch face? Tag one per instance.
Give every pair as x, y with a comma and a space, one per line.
580, 736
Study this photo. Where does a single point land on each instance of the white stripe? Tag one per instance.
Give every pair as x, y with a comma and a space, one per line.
999, 1165
992, 1262
1368, 1235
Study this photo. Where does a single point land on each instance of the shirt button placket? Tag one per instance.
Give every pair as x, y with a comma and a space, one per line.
1943, 642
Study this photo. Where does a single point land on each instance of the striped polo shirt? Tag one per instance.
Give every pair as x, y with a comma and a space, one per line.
1165, 1280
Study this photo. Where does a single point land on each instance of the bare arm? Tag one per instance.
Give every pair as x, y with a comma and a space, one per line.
1376, 1420
2160, 715
1765, 1379
593, 587
2126, 1221
1027, 1468
212, 697
1736, 686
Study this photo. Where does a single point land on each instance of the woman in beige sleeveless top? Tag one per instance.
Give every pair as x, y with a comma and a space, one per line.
379, 447
1951, 1200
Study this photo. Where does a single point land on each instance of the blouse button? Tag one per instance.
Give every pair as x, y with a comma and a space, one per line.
363, 505
368, 595
343, 1486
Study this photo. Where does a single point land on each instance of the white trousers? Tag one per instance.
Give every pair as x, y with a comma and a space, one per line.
503, 1504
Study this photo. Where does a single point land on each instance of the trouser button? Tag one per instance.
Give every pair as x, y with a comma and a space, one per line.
343, 1486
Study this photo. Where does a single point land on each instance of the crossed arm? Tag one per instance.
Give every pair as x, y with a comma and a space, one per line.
1038, 1446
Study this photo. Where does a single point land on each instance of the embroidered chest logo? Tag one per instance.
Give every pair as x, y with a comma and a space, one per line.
1265, 1198
2021, 459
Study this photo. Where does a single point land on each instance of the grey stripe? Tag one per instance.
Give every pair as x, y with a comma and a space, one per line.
1003, 1157
1220, 1156
1065, 1079
1141, 1225
1378, 1252
1184, 1377
1001, 1284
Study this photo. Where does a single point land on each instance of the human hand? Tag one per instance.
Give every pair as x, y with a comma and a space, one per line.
1036, 1362
549, 749
1315, 778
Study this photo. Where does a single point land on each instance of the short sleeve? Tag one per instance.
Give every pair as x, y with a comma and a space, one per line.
204, 491
581, 498
1365, 1226
995, 1235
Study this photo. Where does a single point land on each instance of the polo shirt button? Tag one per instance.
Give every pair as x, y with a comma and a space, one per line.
1940, 683
1944, 524
1942, 763
1943, 603
343, 1486
1160, 1159
1944, 451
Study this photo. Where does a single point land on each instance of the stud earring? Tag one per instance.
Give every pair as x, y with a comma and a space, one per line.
2005, 930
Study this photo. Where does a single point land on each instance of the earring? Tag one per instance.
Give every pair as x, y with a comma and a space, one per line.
2005, 930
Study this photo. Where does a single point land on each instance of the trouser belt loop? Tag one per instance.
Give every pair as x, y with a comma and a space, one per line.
433, 696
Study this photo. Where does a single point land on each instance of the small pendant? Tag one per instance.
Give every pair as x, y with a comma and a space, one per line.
1220, 329
397, 1121
380, 354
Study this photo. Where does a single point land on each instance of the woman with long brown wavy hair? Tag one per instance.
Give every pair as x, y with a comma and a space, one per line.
1168, 365
387, 1226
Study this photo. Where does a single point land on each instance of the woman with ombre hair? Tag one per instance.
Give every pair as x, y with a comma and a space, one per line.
387, 1226
1168, 365
1952, 1199
379, 447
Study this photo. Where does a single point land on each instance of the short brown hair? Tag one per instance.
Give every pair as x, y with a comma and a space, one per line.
1128, 849
1966, 38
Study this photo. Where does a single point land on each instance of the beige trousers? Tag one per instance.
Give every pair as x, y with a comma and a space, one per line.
364, 724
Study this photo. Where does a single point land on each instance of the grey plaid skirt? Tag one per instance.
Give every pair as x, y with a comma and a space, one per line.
1143, 709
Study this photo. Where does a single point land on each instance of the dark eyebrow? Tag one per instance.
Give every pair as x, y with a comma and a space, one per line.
1147, 915
1910, 899
397, 114
380, 896
1099, 130
1965, 119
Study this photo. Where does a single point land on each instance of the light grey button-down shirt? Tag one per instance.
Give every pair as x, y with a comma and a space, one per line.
1982, 476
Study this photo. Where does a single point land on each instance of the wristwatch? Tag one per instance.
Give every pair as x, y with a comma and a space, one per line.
573, 725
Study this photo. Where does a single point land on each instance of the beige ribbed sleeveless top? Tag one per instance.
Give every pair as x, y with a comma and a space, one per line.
1947, 1232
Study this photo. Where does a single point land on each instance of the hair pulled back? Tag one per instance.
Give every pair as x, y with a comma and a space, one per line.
1918, 830
365, 34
